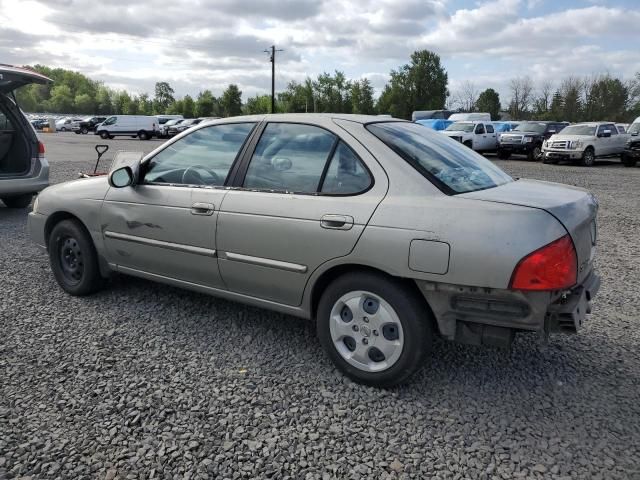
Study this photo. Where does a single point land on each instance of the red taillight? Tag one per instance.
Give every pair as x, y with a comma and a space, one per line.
40, 148
552, 267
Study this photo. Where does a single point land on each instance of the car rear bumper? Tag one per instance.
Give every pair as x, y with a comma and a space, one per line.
491, 316
35, 226
35, 182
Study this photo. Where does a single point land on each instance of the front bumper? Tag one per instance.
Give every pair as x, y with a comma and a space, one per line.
516, 148
632, 153
563, 154
35, 226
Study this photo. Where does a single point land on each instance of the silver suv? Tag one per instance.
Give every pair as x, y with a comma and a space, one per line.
23, 167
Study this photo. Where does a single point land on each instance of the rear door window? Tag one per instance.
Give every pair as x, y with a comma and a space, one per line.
450, 166
346, 174
490, 129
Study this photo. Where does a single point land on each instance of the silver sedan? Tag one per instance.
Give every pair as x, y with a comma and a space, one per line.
381, 231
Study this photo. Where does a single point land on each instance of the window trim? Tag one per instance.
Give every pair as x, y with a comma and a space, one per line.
243, 166
145, 162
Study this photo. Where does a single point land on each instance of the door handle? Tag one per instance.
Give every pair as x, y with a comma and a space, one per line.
336, 222
200, 208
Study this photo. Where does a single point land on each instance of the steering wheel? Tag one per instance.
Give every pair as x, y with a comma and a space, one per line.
191, 176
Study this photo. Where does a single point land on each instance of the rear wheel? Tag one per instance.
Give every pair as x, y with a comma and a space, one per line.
77, 132
373, 328
18, 201
84, 130
502, 155
73, 259
588, 157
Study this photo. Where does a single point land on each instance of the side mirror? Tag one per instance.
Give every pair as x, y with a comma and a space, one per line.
121, 177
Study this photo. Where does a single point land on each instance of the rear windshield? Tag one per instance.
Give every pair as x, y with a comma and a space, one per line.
451, 166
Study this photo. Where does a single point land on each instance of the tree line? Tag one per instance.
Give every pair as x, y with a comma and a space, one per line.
421, 84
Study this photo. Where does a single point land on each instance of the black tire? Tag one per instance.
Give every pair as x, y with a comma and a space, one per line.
502, 155
77, 132
535, 154
84, 130
143, 135
588, 157
73, 259
412, 311
104, 134
627, 161
63, 129
18, 201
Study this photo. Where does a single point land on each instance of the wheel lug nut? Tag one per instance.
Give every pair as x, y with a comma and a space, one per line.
365, 341
366, 320
375, 333
355, 328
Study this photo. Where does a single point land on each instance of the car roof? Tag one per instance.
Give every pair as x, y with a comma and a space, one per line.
310, 117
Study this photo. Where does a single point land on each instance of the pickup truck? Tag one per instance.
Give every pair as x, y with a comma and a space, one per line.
527, 139
87, 125
477, 135
583, 143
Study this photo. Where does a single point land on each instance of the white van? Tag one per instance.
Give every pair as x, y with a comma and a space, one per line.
142, 126
475, 116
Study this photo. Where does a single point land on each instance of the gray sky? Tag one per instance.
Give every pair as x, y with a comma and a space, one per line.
208, 44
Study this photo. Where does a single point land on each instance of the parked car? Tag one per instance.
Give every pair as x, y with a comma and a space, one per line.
24, 170
64, 124
477, 135
182, 126
459, 117
622, 127
382, 231
435, 123
163, 131
584, 143
527, 139
40, 123
142, 126
163, 119
631, 153
430, 114
87, 125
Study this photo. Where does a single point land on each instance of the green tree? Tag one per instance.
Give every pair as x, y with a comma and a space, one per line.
61, 100
418, 85
605, 99
145, 106
176, 108
103, 101
188, 107
163, 97
489, 101
231, 101
362, 97
297, 98
259, 104
332, 93
205, 104
84, 103
121, 103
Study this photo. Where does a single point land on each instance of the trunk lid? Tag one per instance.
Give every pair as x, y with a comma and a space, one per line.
15, 77
573, 207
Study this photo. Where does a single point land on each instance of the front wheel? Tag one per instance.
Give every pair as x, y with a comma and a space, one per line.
627, 161
535, 154
73, 259
502, 155
104, 135
142, 135
18, 201
374, 329
84, 130
588, 157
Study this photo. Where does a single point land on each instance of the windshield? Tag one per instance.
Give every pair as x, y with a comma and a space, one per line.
461, 127
579, 130
531, 127
634, 128
451, 166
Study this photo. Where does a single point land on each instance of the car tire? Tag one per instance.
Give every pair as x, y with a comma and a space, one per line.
388, 347
104, 135
63, 129
142, 135
502, 155
84, 130
535, 154
588, 157
18, 201
627, 161
77, 132
73, 259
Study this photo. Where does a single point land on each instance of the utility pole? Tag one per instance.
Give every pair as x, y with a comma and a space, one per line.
272, 58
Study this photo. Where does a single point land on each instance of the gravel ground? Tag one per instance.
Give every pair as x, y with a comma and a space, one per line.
147, 381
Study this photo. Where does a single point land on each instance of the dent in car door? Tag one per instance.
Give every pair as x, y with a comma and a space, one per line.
158, 229
271, 242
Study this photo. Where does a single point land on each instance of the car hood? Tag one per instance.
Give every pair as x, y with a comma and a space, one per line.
573, 207
518, 132
559, 136
455, 132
